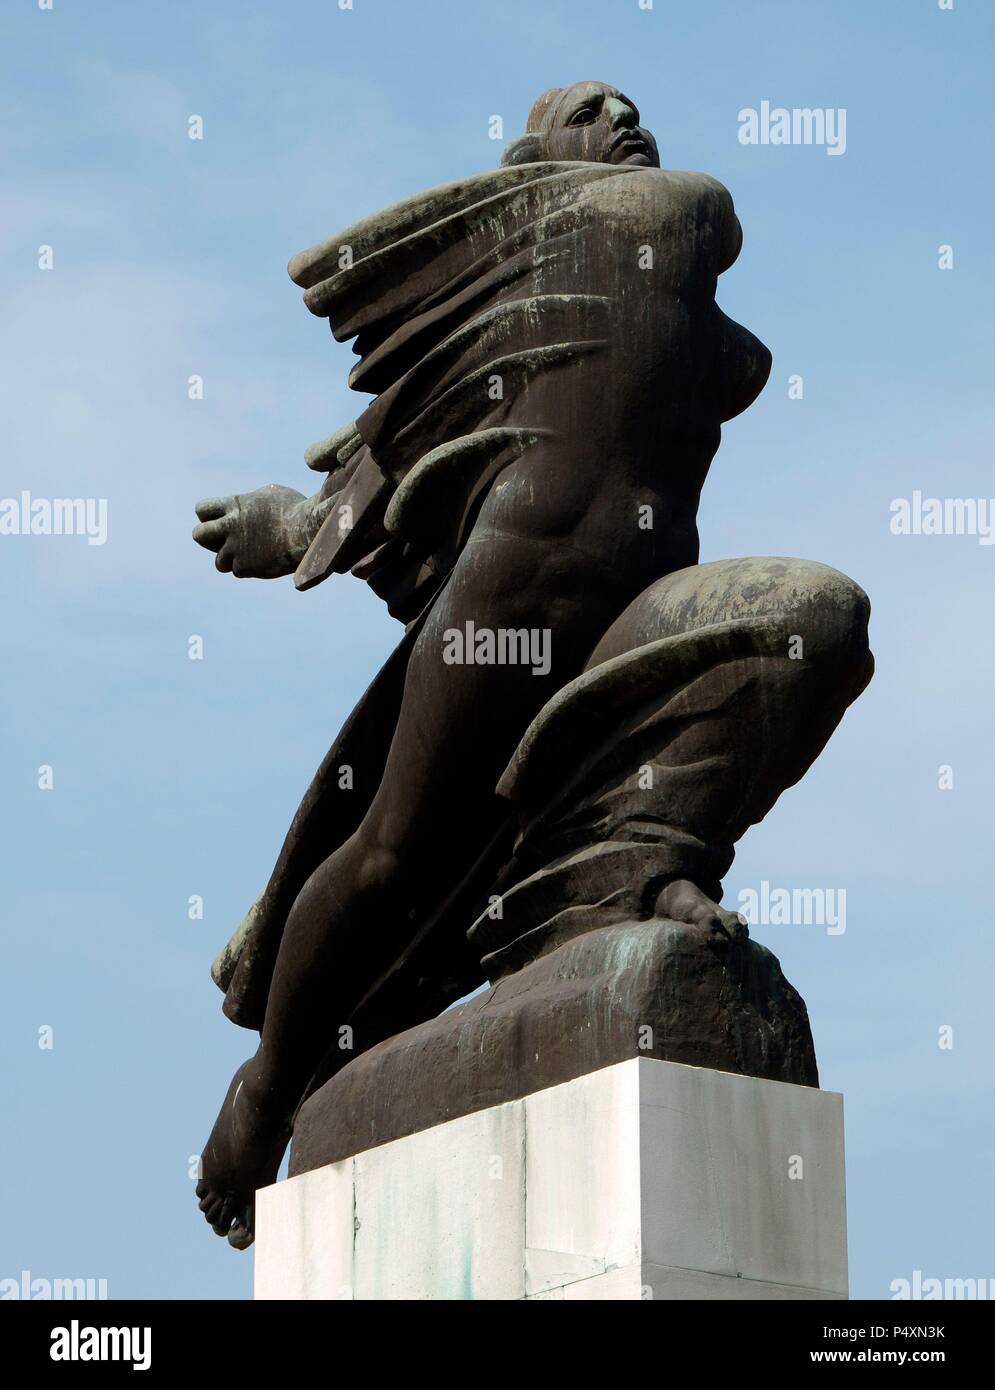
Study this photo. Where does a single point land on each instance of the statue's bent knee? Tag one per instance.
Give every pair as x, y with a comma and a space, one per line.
820, 611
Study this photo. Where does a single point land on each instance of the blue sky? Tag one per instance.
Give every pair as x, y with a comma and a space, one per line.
175, 777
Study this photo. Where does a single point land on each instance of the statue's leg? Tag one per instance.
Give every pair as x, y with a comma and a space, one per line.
711, 693
770, 698
434, 812
752, 722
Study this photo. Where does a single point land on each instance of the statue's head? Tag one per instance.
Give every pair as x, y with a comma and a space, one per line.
590, 121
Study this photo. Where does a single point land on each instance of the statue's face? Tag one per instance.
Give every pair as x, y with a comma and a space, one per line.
596, 123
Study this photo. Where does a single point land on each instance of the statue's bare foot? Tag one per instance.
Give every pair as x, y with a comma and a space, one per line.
242, 1154
682, 901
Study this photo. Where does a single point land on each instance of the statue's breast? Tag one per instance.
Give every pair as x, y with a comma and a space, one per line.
654, 243
655, 230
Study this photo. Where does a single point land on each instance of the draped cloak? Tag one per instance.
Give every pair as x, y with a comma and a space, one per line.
464, 302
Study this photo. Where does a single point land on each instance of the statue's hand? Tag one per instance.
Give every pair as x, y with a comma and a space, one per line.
256, 535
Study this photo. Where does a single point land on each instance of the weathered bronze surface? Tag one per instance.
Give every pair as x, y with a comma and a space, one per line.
544, 785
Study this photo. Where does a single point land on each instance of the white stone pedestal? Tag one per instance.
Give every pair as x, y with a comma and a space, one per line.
644, 1180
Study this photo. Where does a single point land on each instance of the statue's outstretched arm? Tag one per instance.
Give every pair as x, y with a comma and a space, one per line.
265, 534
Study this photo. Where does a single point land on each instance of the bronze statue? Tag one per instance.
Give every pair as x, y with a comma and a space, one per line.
544, 784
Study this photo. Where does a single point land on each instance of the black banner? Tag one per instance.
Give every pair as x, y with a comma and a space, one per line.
245, 1339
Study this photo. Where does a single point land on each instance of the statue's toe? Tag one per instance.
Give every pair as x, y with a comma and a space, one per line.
241, 1235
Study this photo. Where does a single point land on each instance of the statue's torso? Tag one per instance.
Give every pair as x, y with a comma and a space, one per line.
634, 425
